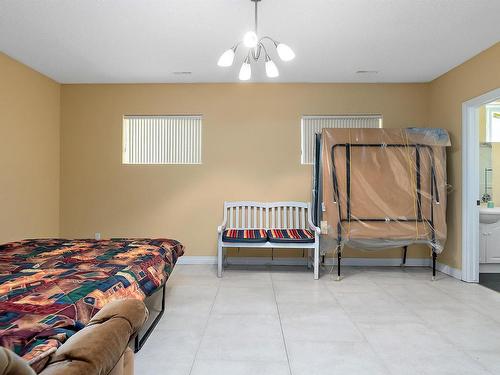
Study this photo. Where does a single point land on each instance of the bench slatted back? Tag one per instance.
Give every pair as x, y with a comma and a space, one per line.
255, 215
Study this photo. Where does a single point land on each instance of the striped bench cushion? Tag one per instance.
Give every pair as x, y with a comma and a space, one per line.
290, 235
244, 235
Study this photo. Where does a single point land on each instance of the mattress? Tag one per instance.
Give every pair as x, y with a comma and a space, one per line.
50, 288
385, 187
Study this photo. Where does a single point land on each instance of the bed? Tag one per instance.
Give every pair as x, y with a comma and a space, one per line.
50, 288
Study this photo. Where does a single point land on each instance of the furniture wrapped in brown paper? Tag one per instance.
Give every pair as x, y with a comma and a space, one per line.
384, 188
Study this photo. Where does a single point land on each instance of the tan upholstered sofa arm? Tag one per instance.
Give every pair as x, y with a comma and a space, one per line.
98, 347
11, 364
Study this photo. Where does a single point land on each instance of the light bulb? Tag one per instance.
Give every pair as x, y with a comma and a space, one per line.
285, 52
245, 71
250, 39
226, 58
271, 69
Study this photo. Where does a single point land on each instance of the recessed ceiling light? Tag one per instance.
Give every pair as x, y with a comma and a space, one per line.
367, 72
182, 73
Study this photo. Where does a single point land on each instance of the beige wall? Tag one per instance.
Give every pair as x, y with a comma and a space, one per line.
447, 93
251, 151
29, 152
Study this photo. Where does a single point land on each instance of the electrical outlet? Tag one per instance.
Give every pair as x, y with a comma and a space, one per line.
97, 236
324, 227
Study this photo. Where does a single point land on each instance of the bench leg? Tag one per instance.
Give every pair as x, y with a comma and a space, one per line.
219, 259
405, 251
339, 259
316, 261
434, 256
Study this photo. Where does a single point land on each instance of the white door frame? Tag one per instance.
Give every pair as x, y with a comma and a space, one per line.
470, 184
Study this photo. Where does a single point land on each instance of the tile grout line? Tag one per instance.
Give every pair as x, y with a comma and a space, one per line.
473, 305
422, 321
205, 327
443, 337
281, 325
382, 361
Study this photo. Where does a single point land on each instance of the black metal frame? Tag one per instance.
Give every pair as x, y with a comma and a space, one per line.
418, 219
140, 341
316, 189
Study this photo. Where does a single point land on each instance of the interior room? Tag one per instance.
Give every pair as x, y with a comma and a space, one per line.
489, 159
249, 186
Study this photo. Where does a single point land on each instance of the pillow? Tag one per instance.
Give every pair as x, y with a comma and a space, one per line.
244, 235
290, 235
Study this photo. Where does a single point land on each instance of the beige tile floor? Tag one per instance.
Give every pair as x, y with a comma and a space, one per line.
274, 321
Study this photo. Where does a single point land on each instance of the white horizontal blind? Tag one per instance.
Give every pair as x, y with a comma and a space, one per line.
311, 125
162, 139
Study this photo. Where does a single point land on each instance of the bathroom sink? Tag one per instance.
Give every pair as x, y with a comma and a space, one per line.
489, 215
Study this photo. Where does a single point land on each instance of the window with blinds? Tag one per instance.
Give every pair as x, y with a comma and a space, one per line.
162, 139
311, 125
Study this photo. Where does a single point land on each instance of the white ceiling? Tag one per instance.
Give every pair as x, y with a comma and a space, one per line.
121, 41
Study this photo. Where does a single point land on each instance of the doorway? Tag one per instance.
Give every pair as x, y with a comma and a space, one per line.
471, 184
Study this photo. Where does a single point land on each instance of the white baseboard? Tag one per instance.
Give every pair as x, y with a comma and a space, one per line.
453, 272
419, 262
256, 261
197, 260
267, 261
379, 262
359, 262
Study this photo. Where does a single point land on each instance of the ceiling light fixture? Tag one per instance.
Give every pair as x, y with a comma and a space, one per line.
255, 47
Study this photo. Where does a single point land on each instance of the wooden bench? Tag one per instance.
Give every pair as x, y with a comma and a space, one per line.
282, 222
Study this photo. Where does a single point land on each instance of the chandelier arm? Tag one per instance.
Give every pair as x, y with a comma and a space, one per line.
235, 47
257, 51
275, 42
265, 50
252, 53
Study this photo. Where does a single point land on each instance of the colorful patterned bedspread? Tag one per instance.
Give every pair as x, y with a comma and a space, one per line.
51, 288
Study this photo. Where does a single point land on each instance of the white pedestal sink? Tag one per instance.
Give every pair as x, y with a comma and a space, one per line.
489, 235
489, 215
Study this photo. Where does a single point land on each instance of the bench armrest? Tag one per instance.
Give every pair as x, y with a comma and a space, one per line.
222, 227
313, 227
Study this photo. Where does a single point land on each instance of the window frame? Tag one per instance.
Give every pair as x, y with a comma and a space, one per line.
199, 145
490, 109
303, 155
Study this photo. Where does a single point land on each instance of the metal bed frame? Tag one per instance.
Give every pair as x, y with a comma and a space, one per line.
419, 219
140, 341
